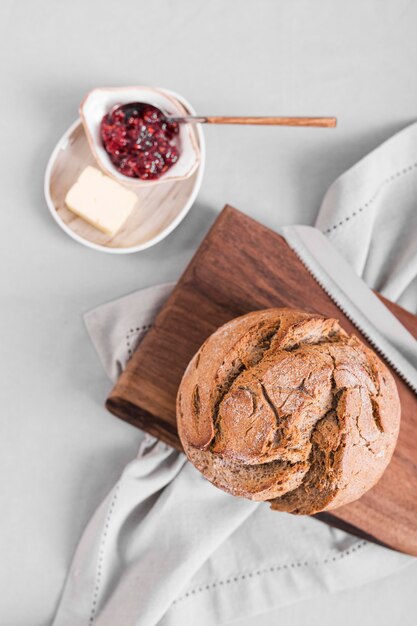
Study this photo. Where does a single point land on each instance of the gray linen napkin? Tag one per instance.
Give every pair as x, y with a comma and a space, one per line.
166, 545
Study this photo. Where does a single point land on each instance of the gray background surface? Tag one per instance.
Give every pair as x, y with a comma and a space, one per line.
60, 450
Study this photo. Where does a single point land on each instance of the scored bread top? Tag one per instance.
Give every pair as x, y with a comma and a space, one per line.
283, 405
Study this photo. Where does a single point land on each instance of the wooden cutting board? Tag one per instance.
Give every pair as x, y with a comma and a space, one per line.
242, 266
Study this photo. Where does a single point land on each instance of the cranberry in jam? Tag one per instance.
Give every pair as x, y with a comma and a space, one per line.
140, 141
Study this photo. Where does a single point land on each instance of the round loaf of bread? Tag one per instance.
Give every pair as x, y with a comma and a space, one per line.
285, 406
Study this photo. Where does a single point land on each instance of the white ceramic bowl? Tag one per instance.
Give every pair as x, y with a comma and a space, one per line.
102, 100
160, 207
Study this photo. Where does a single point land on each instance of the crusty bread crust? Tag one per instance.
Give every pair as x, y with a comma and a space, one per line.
283, 405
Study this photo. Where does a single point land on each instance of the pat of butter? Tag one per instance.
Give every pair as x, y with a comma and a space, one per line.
100, 201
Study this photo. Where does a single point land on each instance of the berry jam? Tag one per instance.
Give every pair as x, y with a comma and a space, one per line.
139, 140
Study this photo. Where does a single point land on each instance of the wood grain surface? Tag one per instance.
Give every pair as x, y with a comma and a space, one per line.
243, 266
157, 205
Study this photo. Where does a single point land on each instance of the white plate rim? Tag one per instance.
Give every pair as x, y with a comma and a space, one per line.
160, 236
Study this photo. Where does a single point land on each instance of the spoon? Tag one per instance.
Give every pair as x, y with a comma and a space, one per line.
319, 122
99, 102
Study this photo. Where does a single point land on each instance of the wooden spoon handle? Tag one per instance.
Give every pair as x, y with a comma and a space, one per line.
323, 122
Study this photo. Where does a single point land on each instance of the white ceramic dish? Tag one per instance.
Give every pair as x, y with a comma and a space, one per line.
100, 101
160, 207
